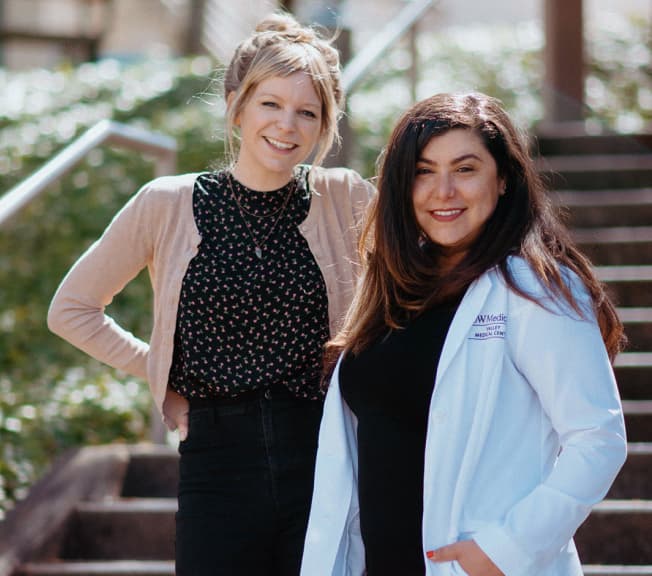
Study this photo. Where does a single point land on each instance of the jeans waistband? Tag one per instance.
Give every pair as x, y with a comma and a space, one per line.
244, 397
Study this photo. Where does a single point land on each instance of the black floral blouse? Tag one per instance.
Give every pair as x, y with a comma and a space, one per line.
245, 322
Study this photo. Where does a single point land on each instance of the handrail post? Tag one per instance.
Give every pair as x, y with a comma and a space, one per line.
413, 72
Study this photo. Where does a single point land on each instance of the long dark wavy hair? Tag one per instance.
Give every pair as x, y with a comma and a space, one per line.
401, 277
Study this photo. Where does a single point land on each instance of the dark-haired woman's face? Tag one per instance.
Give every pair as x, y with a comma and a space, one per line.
456, 189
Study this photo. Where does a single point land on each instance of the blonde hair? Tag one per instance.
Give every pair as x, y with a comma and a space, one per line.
280, 46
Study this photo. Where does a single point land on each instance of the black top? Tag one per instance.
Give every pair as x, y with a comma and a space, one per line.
245, 322
388, 388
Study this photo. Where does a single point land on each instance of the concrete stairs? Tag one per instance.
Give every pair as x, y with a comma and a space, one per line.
129, 531
605, 185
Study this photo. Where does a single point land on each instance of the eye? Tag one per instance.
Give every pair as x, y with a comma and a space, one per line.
309, 114
269, 104
423, 170
464, 169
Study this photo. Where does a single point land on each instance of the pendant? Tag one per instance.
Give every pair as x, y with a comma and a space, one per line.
259, 253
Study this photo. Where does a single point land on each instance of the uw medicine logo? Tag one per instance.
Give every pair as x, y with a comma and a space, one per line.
488, 326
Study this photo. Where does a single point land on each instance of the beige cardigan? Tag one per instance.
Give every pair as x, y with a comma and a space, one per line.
156, 228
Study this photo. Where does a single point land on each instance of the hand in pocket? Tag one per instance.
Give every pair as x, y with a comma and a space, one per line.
469, 556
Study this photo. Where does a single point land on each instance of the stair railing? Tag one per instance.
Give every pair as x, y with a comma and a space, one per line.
406, 22
163, 148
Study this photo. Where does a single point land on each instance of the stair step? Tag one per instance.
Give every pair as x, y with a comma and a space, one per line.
615, 570
622, 245
575, 140
124, 529
634, 359
638, 328
107, 568
617, 532
624, 273
629, 285
638, 420
634, 367
153, 472
614, 235
633, 315
597, 171
633, 480
634, 381
587, 208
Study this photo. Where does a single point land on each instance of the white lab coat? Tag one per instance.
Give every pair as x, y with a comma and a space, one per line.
525, 434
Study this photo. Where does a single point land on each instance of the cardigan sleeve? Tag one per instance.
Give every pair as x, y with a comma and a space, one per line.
77, 311
562, 356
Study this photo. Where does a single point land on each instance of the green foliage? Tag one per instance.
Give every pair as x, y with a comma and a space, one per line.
619, 79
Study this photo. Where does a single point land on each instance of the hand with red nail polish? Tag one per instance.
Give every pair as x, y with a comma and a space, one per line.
468, 555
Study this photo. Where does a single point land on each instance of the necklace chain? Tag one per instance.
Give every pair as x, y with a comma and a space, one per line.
279, 212
242, 207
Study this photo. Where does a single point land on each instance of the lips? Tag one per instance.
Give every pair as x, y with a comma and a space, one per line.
279, 144
446, 215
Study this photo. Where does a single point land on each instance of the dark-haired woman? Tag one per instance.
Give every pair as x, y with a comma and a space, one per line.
472, 419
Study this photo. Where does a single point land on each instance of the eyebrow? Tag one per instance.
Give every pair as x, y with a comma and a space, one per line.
305, 104
461, 158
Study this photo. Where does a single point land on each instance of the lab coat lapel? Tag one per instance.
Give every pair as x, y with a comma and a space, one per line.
333, 488
467, 311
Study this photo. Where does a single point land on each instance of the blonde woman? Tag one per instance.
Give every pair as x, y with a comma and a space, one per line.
252, 269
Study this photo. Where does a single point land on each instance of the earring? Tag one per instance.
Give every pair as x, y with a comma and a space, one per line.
423, 239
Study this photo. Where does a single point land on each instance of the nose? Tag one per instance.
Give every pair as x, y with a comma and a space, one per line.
444, 187
286, 120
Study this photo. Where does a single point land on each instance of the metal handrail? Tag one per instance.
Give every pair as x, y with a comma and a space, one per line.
163, 148
360, 64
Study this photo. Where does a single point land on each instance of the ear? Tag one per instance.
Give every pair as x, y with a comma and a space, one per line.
229, 102
502, 187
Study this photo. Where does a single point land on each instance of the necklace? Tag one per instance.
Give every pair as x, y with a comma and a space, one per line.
279, 212
242, 207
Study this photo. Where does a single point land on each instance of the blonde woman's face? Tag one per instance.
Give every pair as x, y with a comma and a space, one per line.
280, 126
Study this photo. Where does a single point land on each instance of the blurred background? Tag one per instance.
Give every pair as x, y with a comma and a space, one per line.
154, 65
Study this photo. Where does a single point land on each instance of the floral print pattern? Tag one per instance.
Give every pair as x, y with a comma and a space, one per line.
245, 322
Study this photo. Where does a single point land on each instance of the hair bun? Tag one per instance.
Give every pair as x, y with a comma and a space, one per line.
278, 23
286, 25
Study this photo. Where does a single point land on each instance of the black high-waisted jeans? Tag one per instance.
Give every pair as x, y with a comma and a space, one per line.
245, 485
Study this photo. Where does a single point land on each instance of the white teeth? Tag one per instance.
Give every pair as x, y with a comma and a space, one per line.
446, 212
279, 144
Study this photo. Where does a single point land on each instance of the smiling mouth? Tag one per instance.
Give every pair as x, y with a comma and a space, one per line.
446, 214
278, 144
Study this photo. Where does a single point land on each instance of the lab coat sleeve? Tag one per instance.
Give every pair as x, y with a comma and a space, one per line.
562, 356
77, 311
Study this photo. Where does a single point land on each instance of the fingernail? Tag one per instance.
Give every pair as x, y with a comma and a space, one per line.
430, 554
